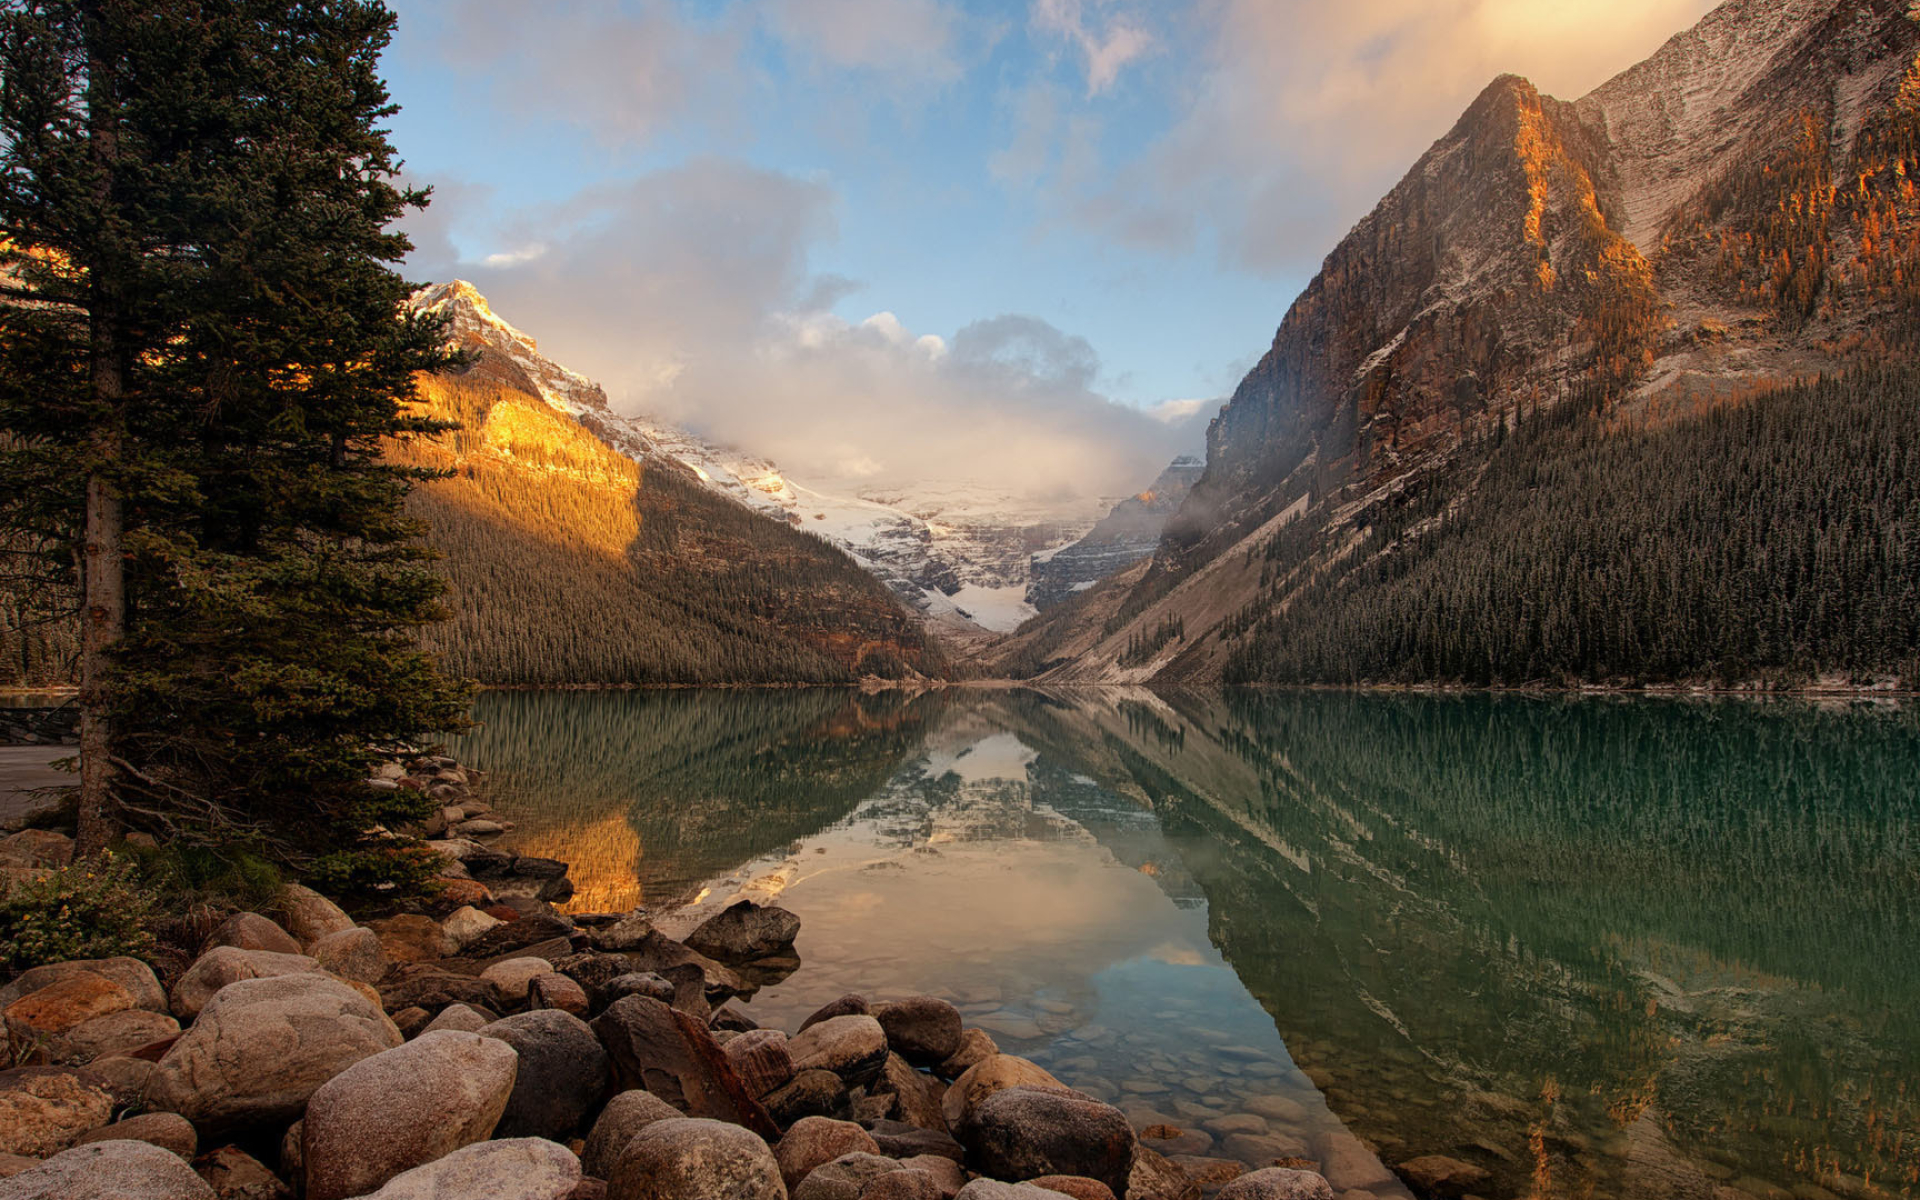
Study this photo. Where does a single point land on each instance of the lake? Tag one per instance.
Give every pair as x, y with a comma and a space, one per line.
1597, 947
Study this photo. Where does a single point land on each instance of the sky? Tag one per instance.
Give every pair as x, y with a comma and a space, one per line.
1028, 244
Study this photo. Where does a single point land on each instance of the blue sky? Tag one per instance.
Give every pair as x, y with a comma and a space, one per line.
1012, 241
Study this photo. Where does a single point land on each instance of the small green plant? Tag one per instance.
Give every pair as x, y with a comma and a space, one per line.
93, 909
382, 875
224, 878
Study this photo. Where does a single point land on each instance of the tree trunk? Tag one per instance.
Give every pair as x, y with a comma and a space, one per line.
103, 563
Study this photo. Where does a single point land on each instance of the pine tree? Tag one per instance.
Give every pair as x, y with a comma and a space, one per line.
205, 348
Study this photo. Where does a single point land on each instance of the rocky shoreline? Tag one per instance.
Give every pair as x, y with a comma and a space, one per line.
489, 1047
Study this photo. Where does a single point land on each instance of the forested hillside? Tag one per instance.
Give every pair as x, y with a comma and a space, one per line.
570, 563
1773, 540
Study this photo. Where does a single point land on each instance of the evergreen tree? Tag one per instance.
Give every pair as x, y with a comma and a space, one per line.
205, 347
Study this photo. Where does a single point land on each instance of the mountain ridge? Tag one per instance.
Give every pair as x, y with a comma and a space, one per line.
1734, 213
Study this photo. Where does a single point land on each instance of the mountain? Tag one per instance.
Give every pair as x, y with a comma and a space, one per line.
957, 554
1733, 215
1128, 533
571, 562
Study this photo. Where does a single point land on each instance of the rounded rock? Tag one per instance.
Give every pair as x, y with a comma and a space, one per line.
353, 954
852, 1047
624, 1116
262, 1047
309, 915
1077, 1186
44, 1110
169, 1131
564, 1073
993, 1189
814, 1141
402, 1108
223, 965
983, 1079
976, 1046
112, 1170
251, 931
557, 991
512, 978
1027, 1132
693, 1159
924, 1030
69, 1002
761, 1059
114, 1034
130, 973
1277, 1183
509, 1169
845, 1178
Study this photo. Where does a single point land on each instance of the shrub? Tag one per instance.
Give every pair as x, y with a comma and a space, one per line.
385, 875
93, 909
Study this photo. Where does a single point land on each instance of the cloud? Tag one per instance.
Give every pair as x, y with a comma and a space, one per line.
1118, 42
627, 71
1302, 114
688, 294
910, 38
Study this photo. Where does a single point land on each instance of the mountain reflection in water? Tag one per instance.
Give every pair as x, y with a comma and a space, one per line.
1600, 948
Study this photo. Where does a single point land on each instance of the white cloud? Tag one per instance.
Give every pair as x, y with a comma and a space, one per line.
1116, 43
1175, 412
911, 38
687, 293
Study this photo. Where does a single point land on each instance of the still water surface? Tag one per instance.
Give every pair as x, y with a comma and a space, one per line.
1600, 948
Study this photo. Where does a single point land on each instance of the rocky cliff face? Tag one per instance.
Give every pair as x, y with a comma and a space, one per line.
957, 556
1737, 211
1128, 533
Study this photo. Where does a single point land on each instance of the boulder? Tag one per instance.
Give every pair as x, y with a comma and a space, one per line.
556, 991
761, 1059
116, 1170
223, 965
852, 1047
251, 931
694, 1159
124, 1077
808, 1094
1155, 1177
564, 1073
1438, 1175
1078, 1187
1347, 1164
1209, 1173
976, 1046
625, 1115
625, 934
169, 1131
423, 985
993, 1189
130, 973
510, 936
744, 931
844, 1178
261, 1048
234, 1174
924, 1030
917, 1096
660, 954
509, 1169
44, 1110
900, 1140
352, 954
949, 1175
849, 1005
639, 983
114, 1034
465, 925
412, 938
42, 1015
983, 1079
460, 1018
1024, 1132
44, 848
813, 1141
906, 1184
674, 1056
309, 916
396, 1110
1277, 1183
511, 978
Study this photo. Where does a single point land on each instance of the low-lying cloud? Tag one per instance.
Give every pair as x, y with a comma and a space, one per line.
687, 294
